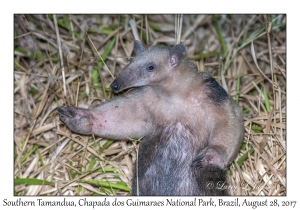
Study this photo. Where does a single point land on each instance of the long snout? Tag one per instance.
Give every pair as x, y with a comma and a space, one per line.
128, 78
115, 86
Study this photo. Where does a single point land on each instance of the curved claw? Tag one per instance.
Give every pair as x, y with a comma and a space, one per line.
66, 111
197, 162
209, 156
77, 119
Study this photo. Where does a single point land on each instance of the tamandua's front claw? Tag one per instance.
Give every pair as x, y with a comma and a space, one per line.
77, 119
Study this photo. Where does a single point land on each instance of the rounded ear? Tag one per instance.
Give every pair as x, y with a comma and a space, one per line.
177, 54
138, 47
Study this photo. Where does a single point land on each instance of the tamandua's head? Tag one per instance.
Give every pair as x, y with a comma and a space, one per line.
150, 66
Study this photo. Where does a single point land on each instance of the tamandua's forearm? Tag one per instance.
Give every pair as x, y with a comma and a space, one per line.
120, 118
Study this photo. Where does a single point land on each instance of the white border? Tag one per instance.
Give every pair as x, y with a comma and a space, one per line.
216, 6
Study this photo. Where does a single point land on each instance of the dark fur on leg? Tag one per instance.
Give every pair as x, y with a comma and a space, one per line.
211, 180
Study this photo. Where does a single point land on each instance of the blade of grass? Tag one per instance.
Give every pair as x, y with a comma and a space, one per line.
79, 188
96, 71
256, 128
104, 170
59, 22
246, 111
102, 59
106, 52
31, 181
66, 21
219, 32
28, 154
243, 147
267, 102
91, 165
241, 160
95, 78
106, 145
155, 27
118, 185
107, 191
41, 157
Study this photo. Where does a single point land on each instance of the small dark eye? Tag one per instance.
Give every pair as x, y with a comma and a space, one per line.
150, 67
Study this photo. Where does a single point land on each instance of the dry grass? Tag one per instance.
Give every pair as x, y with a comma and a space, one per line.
49, 73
